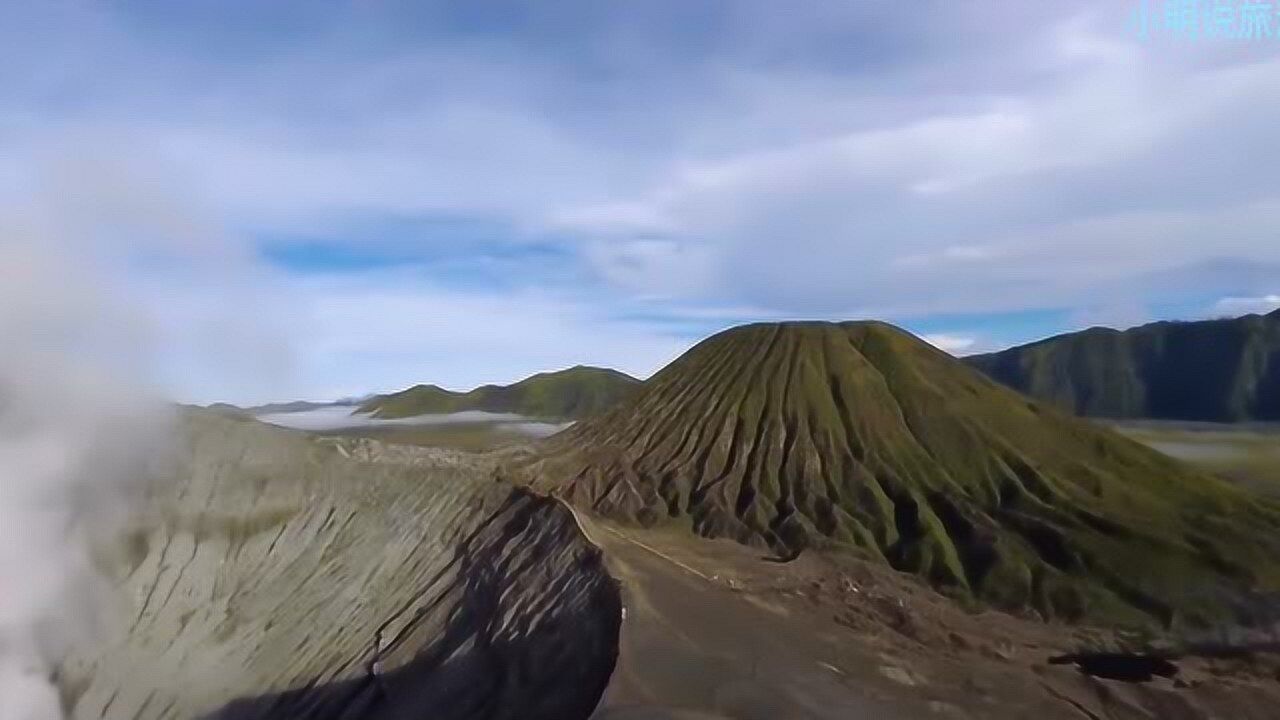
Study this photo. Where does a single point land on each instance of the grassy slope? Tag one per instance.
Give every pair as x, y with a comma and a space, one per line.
1215, 370
574, 393
860, 435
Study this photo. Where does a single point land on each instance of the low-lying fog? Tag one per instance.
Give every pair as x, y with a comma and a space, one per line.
341, 418
1200, 451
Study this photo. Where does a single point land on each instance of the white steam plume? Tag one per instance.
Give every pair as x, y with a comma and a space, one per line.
109, 271
77, 433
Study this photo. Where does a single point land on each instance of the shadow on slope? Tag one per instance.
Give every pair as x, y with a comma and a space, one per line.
273, 572
511, 639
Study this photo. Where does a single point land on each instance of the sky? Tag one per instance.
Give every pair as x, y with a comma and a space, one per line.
322, 199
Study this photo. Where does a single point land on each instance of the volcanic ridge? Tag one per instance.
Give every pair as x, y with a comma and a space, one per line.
1225, 370
858, 436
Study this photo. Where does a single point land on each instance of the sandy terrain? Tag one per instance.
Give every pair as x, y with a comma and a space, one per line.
713, 630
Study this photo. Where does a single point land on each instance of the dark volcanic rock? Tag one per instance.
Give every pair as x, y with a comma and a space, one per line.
1128, 667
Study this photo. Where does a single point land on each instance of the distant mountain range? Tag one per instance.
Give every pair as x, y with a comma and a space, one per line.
273, 574
574, 393
1225, 370
298, 406
794, 435
1213, 370
569, 394
295, 406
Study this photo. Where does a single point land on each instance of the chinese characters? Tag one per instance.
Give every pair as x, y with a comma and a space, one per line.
1246, 20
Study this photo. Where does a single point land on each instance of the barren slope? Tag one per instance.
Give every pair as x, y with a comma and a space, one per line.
271, 575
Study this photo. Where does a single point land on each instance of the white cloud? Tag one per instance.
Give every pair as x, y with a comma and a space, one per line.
341, 418
1046, 198
337, 418
972, 159
954, 344
382, 331
78, 429
1233, 306
653, 268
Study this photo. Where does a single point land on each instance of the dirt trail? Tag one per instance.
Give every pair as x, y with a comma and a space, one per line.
714, 631
692, 647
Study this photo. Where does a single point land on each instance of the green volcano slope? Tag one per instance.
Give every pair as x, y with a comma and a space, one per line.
794, 435
573, 393
1214, 370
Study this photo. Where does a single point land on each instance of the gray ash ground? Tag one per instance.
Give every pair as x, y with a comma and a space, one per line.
276, 571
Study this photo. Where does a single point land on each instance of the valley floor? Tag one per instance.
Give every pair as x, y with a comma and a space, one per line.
1247, 454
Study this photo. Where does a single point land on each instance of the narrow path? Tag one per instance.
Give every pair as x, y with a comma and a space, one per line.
584, 525
694, 649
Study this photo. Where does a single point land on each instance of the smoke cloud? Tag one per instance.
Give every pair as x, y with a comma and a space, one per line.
93, 256
78, 434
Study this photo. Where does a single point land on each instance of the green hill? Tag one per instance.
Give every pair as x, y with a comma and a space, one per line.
858, 435
574, 393
1213, 370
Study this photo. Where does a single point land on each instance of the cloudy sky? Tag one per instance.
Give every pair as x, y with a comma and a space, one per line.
317, 199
